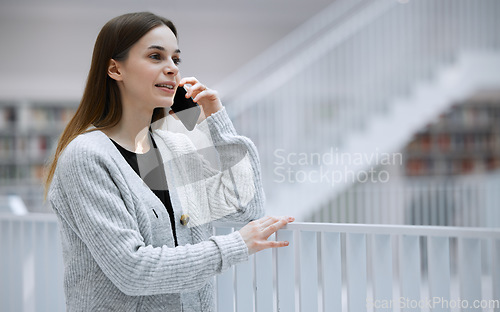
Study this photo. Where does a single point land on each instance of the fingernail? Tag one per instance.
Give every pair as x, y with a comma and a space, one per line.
286, 243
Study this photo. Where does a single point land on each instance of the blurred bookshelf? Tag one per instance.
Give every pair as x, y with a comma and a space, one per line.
29, 131
463, 140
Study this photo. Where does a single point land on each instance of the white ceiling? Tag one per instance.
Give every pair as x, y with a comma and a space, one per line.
45, 47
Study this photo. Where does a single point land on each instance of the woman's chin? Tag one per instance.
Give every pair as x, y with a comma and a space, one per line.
165, 104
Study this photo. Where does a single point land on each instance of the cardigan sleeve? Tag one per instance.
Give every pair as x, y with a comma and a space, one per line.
237, 186
86, 192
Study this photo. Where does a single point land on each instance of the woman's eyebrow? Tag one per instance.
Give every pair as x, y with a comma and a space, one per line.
157, 47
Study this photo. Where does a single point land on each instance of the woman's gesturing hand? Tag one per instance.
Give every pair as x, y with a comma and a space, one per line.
256, 233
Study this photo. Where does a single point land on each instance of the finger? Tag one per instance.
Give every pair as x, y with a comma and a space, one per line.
275, 244
268, 222
263, 219
272, 220
273, 228
195, 90
205, 94
188, 80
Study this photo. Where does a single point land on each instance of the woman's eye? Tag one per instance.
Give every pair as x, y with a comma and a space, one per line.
176, 60
155, 56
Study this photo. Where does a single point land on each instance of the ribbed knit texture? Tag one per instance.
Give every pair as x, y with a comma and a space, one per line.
119, 254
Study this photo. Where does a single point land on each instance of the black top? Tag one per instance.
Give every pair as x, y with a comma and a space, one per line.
149, 166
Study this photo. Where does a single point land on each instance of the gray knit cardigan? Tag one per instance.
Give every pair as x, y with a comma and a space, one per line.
117, 241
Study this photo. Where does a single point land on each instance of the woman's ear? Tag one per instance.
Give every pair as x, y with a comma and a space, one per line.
114, 70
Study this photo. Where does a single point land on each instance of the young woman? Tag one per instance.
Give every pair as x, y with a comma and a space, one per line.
134, 199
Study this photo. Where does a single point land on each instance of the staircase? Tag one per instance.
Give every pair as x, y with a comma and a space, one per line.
357, 80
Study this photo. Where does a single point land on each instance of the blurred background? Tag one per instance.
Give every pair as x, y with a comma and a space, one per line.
45, 55
363, 111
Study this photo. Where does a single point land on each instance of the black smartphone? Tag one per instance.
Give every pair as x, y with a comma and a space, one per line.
185, 109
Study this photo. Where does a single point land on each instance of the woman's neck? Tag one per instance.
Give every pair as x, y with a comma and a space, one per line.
131, 132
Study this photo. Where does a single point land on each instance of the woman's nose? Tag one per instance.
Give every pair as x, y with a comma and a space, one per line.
171, 68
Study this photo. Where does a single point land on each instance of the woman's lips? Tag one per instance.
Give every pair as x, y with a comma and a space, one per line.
167, 90
168, 87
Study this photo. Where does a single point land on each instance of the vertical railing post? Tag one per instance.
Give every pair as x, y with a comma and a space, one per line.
16, 268
308, 271
409, 266
495, 276
439, 270
4, 259
286, 272
331, 267
382, 269
28, 263
356, 272
40, 251
469, 268
264, 281
53, 296
245, 286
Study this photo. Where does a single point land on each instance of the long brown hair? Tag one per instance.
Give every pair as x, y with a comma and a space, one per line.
101, 105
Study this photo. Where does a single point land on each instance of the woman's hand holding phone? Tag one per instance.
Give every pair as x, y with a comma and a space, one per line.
207, 98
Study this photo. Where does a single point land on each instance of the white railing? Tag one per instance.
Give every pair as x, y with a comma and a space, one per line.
31, 266
327, 267
355, 268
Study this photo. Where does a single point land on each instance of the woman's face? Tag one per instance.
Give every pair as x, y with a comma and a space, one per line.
149, 76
